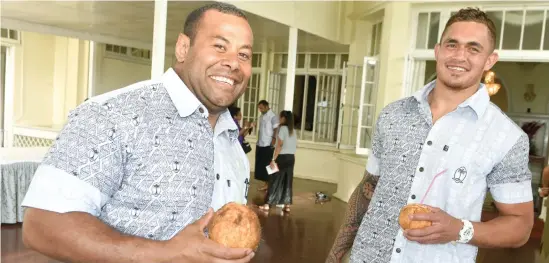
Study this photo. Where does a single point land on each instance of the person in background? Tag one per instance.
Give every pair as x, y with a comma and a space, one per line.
236, 113
280, 189
268, 124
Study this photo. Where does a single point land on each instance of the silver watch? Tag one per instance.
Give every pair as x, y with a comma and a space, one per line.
466, 233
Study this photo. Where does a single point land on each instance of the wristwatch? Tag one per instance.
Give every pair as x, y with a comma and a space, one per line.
466, 233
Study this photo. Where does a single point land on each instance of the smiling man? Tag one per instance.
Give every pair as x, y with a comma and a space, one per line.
133, 173
449, 125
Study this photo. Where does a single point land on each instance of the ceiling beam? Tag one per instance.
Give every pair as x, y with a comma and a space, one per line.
58, 31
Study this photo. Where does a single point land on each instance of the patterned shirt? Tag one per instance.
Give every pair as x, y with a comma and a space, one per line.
480, 147
142, 160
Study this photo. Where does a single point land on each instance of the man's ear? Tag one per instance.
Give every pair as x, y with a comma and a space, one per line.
491, 61
182, 47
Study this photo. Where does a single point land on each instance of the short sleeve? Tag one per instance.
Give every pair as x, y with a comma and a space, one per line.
283, 133
375, 154
510, 181
275, 121
83, 168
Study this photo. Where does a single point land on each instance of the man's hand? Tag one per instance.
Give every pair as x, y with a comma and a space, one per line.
444, 228
195, 247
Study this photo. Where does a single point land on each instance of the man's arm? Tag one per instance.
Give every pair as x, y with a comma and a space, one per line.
81, 237
358, 205
510, 229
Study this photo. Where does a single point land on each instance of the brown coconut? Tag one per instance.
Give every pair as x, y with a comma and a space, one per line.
406, 223
235, 226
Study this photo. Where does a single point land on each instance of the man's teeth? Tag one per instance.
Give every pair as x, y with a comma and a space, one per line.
457, 68
223, 79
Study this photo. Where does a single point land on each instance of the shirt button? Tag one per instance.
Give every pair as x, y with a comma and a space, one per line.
421, 169
217, 176
429, 143
398, 250
413, 196
201, 110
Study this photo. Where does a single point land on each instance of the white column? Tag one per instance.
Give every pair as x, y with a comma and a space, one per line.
91, 69
290, 75
159, 37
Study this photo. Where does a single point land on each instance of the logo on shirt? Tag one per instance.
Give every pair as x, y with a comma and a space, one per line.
460, 175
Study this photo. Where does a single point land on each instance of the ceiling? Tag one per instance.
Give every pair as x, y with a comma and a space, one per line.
134, 21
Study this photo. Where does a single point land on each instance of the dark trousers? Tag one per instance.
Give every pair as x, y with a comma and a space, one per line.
281, 183
263, 157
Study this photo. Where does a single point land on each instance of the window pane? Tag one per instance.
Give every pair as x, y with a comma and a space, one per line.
284, 61
370, 70
511, 31
421, 30
314, 61
331, 60
322, 61
378, 38
532, 30
433, 32
300, 61
13, 34
373, 42
344, 58
496, 17
4, 33
365, 138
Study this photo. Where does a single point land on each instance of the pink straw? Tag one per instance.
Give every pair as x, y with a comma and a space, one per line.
428, 189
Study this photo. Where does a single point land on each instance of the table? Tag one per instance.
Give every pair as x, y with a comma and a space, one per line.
17, 167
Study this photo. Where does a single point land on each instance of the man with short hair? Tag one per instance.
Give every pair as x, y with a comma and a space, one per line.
268, 125
132, 174
448, 127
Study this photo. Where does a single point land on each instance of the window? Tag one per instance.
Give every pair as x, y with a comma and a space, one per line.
350, 104
248, 101
10, 35
377, 29
427, 32
368, 94
276, 84
131, 53
521, 29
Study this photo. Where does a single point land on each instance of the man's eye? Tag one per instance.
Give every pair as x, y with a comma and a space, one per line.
219, 46
244, 56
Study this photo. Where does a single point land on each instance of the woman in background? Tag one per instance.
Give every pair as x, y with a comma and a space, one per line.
280, 183
237, 117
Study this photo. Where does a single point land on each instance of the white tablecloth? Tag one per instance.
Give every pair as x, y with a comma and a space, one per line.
17, 166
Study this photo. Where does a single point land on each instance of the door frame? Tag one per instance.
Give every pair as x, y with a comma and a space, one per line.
9, 90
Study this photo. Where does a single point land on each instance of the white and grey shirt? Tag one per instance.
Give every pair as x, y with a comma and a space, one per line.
480, 147
144, 160
268, 122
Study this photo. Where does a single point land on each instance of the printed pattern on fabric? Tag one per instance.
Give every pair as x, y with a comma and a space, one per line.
403, 134
155, 166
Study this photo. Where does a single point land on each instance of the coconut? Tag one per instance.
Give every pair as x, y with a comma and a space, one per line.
406, 223
235, 226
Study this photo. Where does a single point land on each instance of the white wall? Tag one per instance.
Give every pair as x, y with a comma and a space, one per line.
114, 73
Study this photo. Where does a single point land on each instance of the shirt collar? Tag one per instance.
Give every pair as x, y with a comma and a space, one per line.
478, 101
186, 104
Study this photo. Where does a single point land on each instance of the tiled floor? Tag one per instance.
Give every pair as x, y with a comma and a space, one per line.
305, 235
